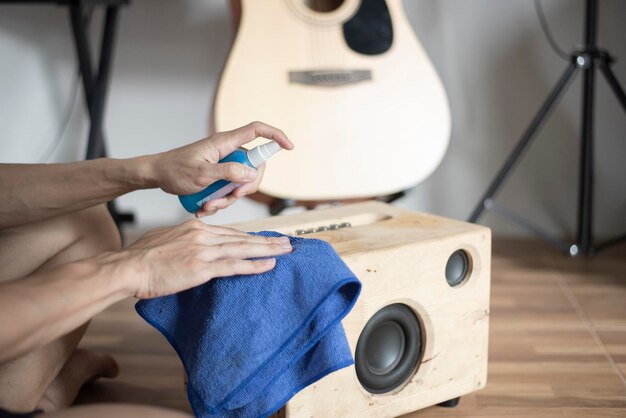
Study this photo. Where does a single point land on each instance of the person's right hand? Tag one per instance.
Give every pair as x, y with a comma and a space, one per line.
191, 168
173, 259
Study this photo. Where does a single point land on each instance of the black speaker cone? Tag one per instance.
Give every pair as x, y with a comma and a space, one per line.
385, 347
457, 268
388, 349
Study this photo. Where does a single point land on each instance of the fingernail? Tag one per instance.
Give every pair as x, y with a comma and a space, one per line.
283, 239
284, 245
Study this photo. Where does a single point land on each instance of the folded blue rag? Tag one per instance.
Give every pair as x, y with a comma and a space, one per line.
249, 343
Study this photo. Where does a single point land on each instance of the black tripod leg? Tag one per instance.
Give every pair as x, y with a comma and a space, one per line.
621, 96
614, 83
528, 136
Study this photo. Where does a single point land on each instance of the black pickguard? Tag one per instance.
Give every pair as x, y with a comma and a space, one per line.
370, 31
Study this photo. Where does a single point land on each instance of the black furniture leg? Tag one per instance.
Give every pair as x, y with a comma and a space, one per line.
96, 148
451, 403
278, 205
95, 87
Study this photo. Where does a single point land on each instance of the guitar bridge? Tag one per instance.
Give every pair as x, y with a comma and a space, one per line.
329, 78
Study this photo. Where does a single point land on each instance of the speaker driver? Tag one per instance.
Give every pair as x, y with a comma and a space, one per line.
388, 349
457, 268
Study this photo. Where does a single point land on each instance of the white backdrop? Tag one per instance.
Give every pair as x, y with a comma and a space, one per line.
491, 55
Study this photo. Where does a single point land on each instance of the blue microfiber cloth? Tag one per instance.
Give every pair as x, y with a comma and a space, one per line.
249, 343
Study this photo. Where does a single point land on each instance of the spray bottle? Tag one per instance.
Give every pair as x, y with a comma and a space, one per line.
252, 158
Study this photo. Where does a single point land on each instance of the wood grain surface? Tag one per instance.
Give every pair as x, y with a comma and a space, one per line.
557, 342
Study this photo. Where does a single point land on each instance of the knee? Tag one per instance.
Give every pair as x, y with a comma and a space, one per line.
96, 231
51, 242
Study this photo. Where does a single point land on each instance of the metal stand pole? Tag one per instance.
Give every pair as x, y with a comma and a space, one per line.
585, 59
585, 196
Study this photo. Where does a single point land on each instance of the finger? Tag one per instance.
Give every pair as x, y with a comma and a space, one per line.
211, 207
245, 190
233, 172
252, 187
240, 192
231, 267
258, 239
205, 211
228, 142
221, 203
246, 249
214, 205
197, 224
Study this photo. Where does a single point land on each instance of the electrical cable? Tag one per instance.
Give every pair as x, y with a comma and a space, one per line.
546, 31
69, 109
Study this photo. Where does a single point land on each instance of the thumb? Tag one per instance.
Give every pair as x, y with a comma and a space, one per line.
227, 142
234, 172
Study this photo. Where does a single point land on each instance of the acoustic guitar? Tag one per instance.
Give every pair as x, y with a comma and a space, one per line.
352, 87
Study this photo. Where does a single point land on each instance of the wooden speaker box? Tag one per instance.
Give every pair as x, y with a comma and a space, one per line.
419, 330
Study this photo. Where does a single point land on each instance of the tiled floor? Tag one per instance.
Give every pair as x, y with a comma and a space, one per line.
557, 342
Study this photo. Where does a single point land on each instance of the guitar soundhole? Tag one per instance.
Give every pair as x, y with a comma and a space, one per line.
323, 6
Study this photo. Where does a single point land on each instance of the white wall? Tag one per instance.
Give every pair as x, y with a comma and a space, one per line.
491, 55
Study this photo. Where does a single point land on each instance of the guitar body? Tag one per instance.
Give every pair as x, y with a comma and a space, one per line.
353, 89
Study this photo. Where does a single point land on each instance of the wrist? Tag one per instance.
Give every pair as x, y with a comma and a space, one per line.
144, 171
122, 270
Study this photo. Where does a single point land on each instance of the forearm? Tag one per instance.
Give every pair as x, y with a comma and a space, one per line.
44, 306
36, 191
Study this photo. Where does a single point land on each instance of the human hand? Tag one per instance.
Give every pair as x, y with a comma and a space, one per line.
192, 168
173, 259
212, 206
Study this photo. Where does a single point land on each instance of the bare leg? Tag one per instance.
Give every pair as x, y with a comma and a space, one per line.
40, 246
83, 366
117, 411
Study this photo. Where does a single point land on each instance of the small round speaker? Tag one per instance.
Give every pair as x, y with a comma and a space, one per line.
457, 267
388, 349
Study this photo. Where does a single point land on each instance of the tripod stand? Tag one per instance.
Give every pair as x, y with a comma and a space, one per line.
585, 59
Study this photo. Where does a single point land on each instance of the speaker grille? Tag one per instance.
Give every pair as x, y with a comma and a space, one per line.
388, 349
